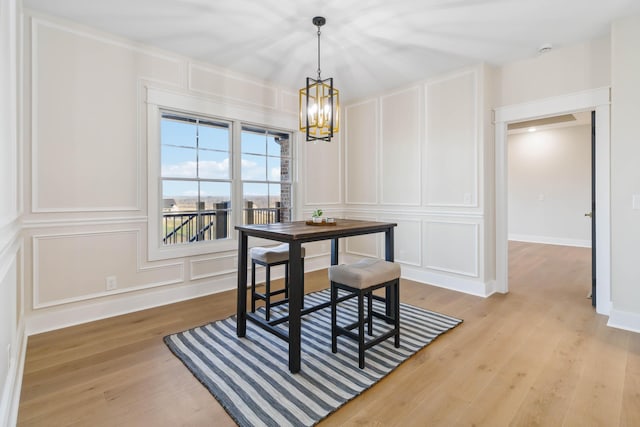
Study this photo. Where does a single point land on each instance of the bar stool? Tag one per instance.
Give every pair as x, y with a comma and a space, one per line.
269, 257
360, 280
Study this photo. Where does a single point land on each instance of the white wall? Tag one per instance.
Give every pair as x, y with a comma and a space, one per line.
85, 135
86, 171
561, 71
11, 316
550, 186
625, 173
417, 156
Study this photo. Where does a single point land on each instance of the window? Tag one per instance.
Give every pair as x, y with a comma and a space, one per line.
206, 160
266, 175
196, 179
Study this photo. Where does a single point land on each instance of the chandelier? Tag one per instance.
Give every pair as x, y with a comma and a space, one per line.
319, 103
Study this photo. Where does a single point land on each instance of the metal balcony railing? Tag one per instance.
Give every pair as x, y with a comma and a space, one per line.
186, 227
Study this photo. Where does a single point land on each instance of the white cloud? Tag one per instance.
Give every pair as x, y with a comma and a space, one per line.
252, 170
208, 169
213, 169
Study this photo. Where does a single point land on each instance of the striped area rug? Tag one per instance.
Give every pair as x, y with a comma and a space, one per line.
250, 376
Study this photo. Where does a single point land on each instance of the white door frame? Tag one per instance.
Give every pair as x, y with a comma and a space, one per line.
598, 100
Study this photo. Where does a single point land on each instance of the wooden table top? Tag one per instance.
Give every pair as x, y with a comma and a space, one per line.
300, 231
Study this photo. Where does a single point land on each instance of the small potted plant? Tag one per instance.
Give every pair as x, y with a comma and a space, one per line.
316, 216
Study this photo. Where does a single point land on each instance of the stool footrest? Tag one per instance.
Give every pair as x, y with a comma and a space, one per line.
263, 297
361, 282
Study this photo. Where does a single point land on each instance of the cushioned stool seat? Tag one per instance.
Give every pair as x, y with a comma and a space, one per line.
269, 257
360, 280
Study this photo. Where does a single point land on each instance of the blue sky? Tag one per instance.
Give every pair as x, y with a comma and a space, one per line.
179, 160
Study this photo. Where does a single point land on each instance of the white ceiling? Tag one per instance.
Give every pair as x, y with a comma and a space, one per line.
367, 46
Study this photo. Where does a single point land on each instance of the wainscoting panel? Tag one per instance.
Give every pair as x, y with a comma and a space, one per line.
82, 84
361, 153
367, 245
203, 268
289, 102
316, 249
76, 266
400, 147
215, 82
451, 143
406, 236
451, 247
322, 172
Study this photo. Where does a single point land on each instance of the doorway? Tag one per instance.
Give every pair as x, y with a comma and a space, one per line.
551, 203
598, 101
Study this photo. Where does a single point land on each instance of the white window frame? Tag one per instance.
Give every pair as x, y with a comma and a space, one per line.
249, 127
159, 100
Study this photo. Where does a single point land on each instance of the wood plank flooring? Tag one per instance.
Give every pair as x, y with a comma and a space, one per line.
538, 356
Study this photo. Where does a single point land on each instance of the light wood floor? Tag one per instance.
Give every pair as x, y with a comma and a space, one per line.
536, 356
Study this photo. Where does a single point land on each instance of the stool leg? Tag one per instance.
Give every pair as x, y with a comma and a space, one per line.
370, 310
334, 319
267, 293
396, 291
286, 280
253, 286
361, 329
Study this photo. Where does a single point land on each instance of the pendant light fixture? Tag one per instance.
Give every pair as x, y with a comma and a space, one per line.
319, 103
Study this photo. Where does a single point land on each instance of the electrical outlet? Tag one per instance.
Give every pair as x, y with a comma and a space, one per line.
111, 283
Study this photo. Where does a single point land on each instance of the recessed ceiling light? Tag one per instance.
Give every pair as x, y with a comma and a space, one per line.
531, 129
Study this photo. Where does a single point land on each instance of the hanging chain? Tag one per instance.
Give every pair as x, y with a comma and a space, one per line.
318, 52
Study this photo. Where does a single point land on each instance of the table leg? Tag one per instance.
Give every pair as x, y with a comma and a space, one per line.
295, 305
334, 251
241, 318
388, 255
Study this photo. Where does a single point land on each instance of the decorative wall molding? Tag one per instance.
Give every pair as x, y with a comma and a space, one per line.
228, 79
335, 168
107, 38
72, 222
417, 262
75, 314
410, 213
417, 110
475, 271
9, 235
140, 268
289, 102
474, 202
35, 206
223, 272
374, 144
348, 246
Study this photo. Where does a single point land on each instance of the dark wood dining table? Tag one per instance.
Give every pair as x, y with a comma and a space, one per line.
296, 233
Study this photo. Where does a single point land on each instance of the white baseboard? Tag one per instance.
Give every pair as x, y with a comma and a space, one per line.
548, 240
10, 398
624, 320
63, 316
58, 317
74, 314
